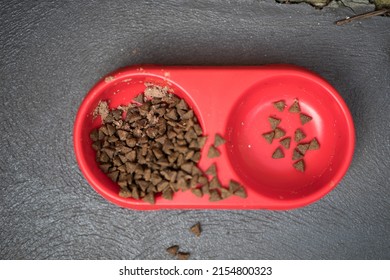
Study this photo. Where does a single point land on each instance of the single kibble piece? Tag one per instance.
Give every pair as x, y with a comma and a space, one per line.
183, 255
113, 175
196, 229
296, 155
212, 170
139, 98
299, 135
105, 166
149, 198
214, 195
197, 192
241, 193
274, 122
206, 189
201, 141
278, 153
314, 145
219, 140
225, 193
280, 105
285, 142
304, 118
213, 152
214, 183
234, 186
295, 108
94, 135
269, 136
203, 180
124, 193
302, 148
167, 194
173, 250
299, 165
279, 133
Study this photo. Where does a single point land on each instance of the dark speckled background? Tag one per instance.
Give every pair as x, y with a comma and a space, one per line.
52, 53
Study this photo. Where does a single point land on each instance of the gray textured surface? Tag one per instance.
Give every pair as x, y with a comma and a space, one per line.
52, 53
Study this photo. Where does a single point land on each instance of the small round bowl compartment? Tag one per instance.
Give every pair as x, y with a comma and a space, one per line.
251, 155
117, 89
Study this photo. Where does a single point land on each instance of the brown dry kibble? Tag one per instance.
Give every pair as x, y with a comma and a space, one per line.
202, 141
212, 170
314, 145
97, 145
173, 250
241, 192
234, 186
110, 129
187, 167
299, 135
105, 166
113, 175
280, 105
205, 189
151, 147
299, 165
94, 135
214, 195
149, 197
167, 194
279, 133
285, 142
295, 108
139, 98
296, 155
269, 136
202, 180
197, 192
304, 118
225, 193
214, 183
213, 152
278, 153
302, 148
219, 140
183, 255
274, 122
125, 193
196, 229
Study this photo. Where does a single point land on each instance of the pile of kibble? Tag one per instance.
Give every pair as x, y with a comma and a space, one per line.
278, 133
152, 146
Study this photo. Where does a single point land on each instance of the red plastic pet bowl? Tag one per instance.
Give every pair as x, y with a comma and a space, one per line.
236, 103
